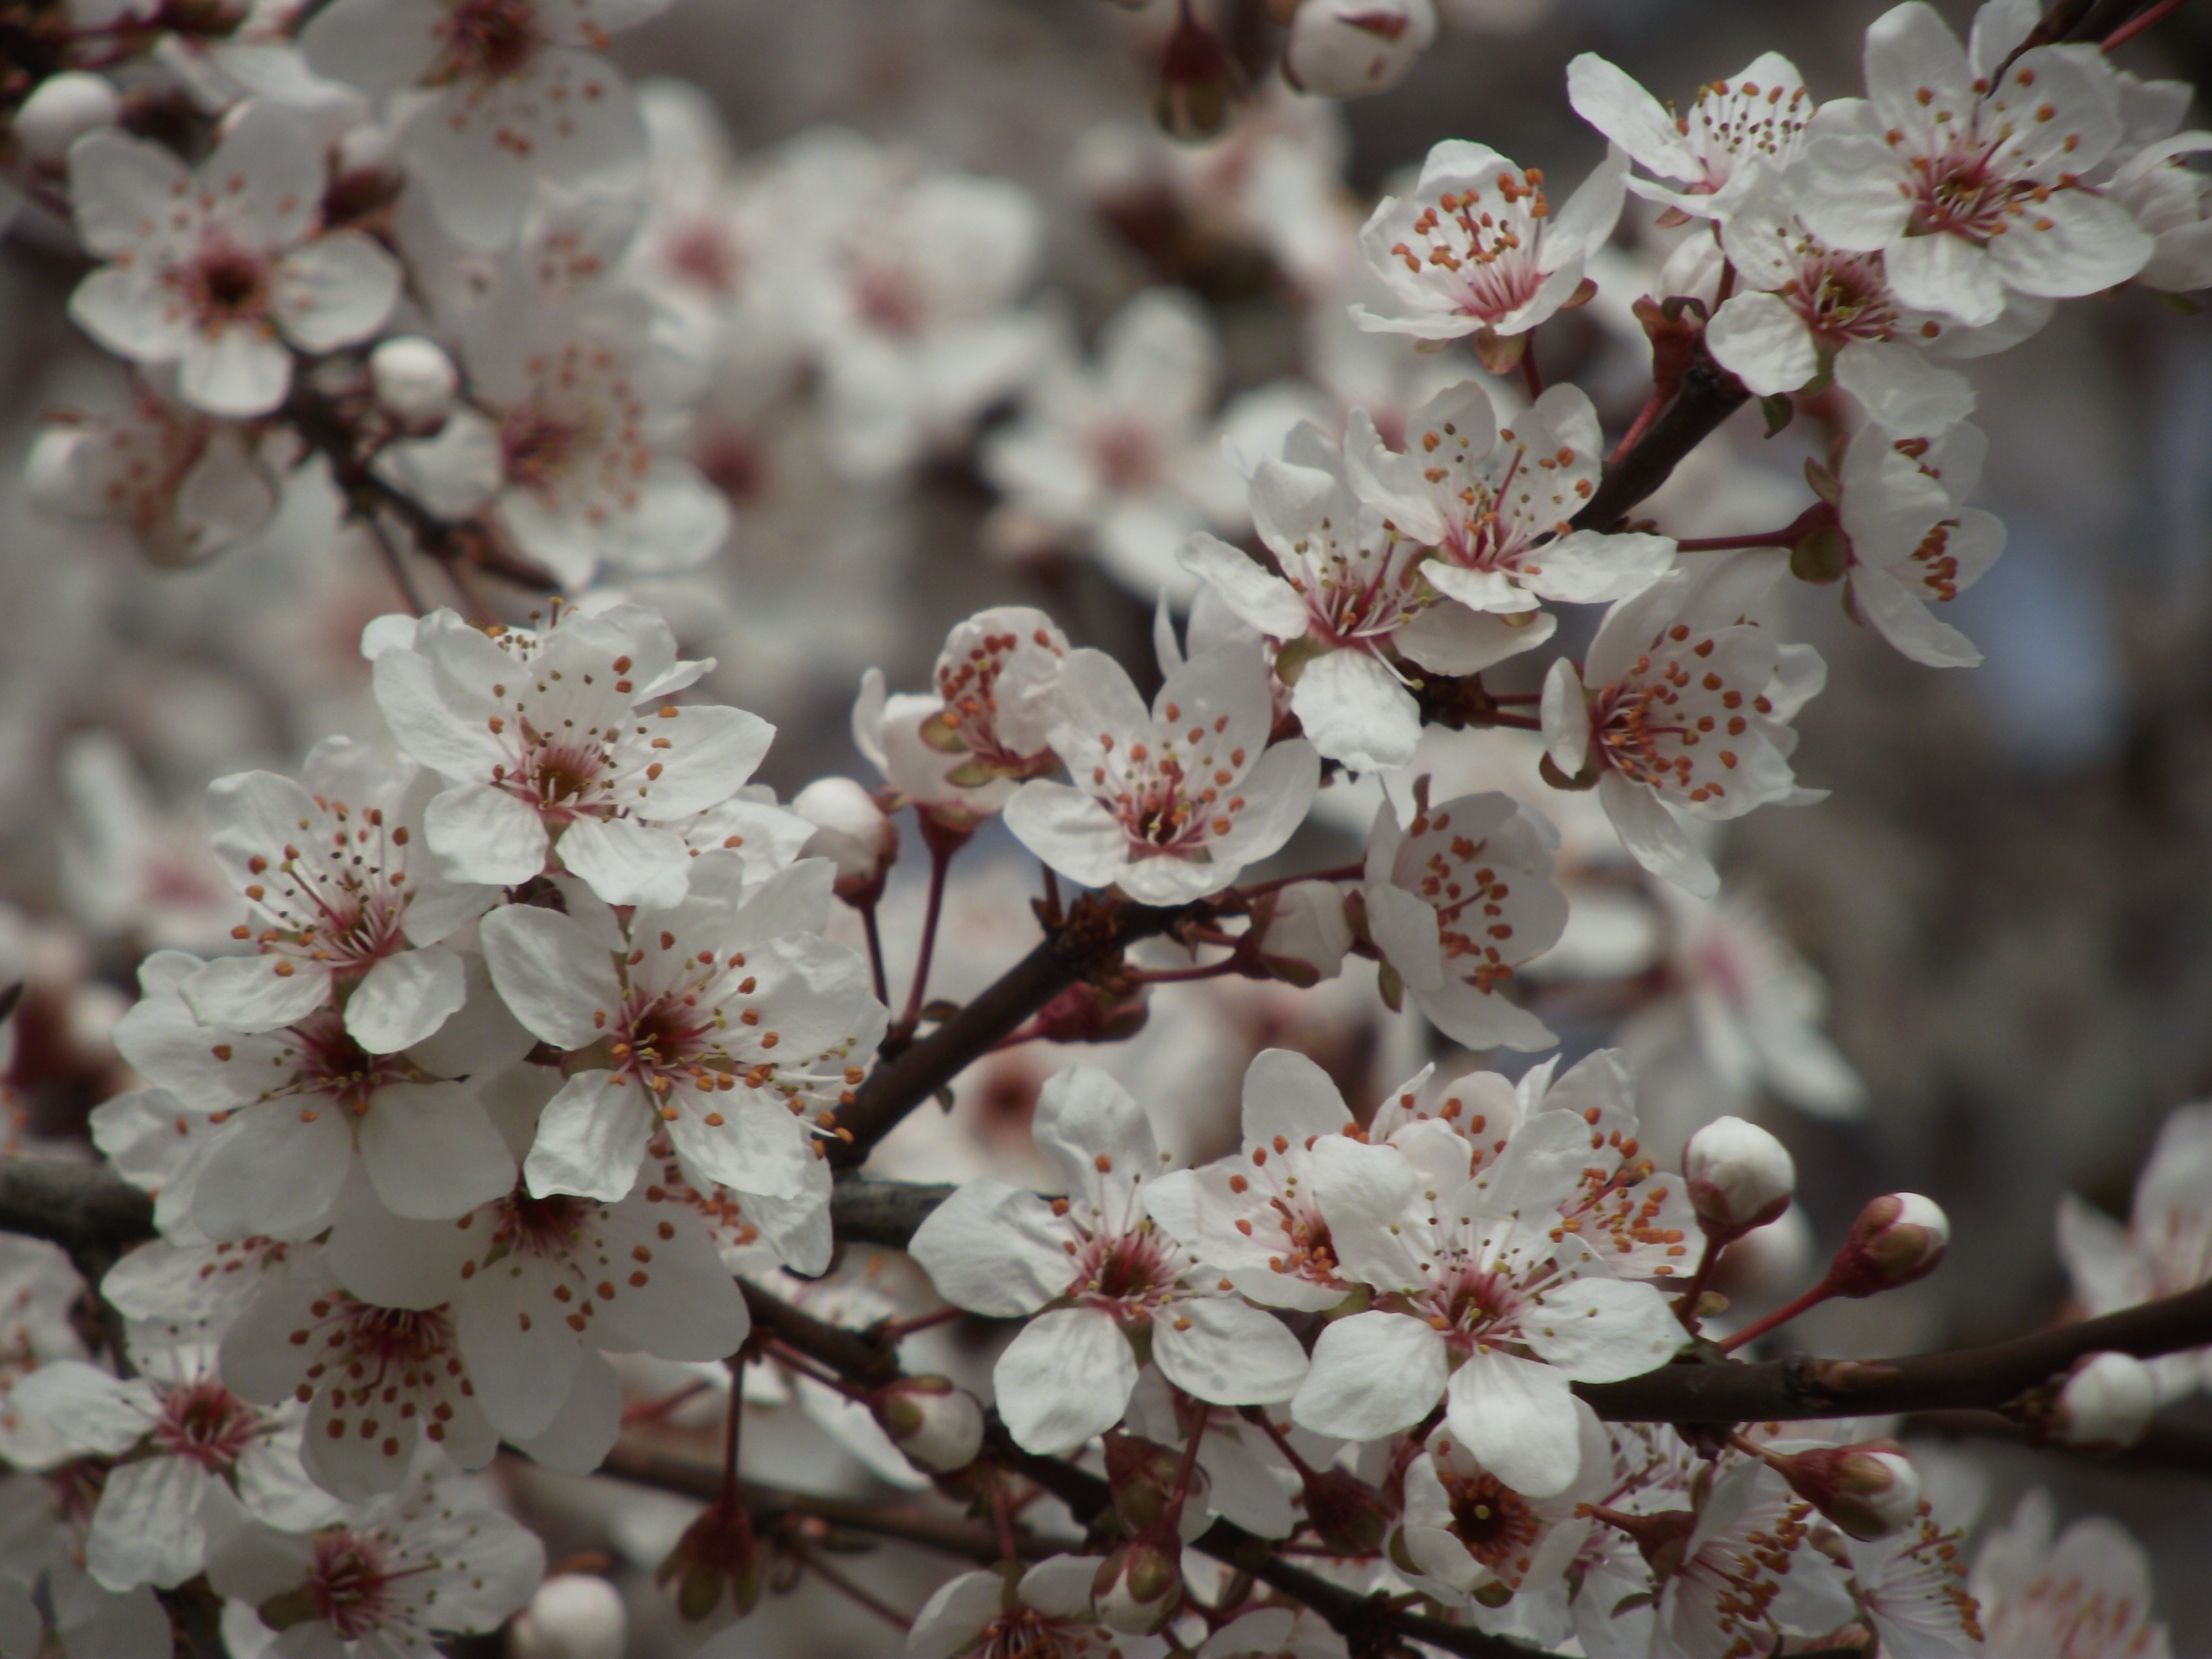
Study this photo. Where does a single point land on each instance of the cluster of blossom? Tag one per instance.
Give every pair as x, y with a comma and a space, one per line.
536, 1035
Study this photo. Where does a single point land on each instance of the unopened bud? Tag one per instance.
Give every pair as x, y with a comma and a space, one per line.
1084, 1012
415, 381
1141, 1474
1348, 1516
1302, 935
1897, 1239
716, 1566
62, 110
852, 832
1198, 82
2106, 1403
938, 1426
574, 1615
1138, 1588
1347, 48
1820, 554
1739, 1177
1869, 1490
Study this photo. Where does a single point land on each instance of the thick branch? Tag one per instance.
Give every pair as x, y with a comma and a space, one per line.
648, 1466
1093, 938
2166, 1446
1709, 395
1804, 1386
857, 1356
87, 1209
864, 1209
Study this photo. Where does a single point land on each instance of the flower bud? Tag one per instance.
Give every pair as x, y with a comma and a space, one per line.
414, 381
716, 1566
852, 832
574, 1615
1347, 48
1138, 1586
1869, 1490
1348, 1516
1896, 1239
1142, 1475
1739, 1177
62, 110
1302, 935
2106, 1403
938, 1426
1199, 81
1084, 1012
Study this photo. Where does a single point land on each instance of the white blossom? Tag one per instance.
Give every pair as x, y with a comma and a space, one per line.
2085, 1592
1737, 130
1454, 902
186, 484
550, 733
1168, 804
1347, 48
1682, 706
1046, 1614
1098, 1255
1967, 182
220, 268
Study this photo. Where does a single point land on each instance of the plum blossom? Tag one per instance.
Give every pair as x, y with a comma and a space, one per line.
1969, 183
326, 868
2169, 199
960, 755
2165, 1249
1472, 1534
1737, 130
184, 484
218, 269
1497, 504
1168, 804
191, 1459
38, 1289
724, 1022
1911, 1586
425, 1560
1046, 1613
2085, 1592
537, 1289
1682, 706
1909, 541
1352, 598
542, 733
1482, 1299
1478, 249
1347, 48
297, 1108
1254, 1214
1455, 901
1748, 1569
1119, 453
1094, 1272
513, 92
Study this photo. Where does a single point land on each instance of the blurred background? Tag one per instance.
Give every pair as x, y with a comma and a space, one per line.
2001, 919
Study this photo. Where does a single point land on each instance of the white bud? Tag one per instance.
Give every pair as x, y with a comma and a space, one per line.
1898, 1239
573, 1616
1869, 1490
1740, 1177
1304, 933
938, 1426
62, 110
415, 381
851, 831
2107, 1402
1345, 48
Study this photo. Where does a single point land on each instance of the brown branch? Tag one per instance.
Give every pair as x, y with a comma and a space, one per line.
1707, 1391
864, 1209
87, 1209
1089, 943
2166, 1447
649, 1466
1709, 395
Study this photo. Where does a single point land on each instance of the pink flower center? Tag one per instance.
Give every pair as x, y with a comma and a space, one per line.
1127, 456
349, 1584
489, 39
332, 1064
1842, 296
1492, 1522
226, 286
1957, 192
537, 446
539, 1226
1125, 1273
207, 1424
376, 1359
970, 717
340, 904
1482, 246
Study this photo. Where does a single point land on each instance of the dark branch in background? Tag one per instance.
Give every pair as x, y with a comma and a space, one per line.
87, 1209
1709, 395
1090, 942
2165, 1448
865, 1210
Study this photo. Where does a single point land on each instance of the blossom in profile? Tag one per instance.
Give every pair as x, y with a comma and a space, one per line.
1735, 131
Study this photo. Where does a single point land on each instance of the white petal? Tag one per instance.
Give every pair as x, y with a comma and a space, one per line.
1453, 640
1518, 1418
1223, 1352
1287, 1094
1372, 1375
590, 1138
483, 834
270, 1171
147, 1529
994, 1249
336, 290
550, 974
625, 862
1948, 274
522, 1359
1652, 837
255, 993
431, 1152
1763, 342
577, 1440
1904, 620
405, 998
1565, 713
1265, 601
238, 370
1077, 835
1065, 1378
1354, 710
1600, 1330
